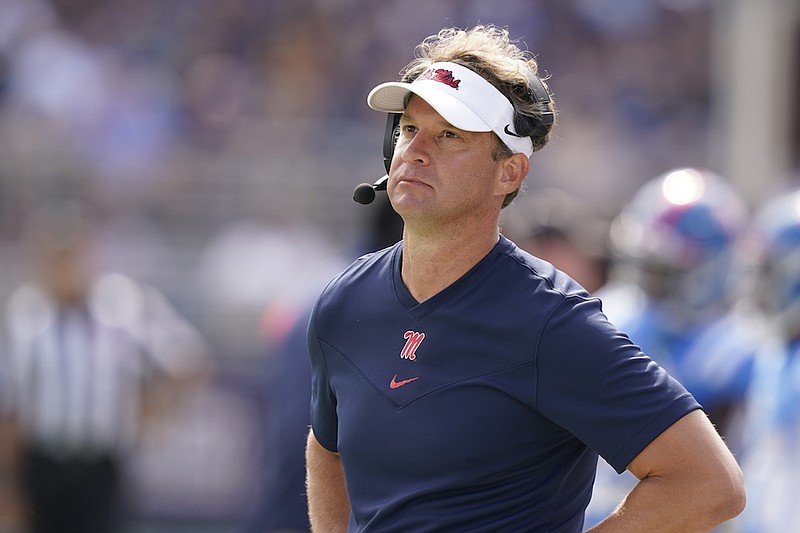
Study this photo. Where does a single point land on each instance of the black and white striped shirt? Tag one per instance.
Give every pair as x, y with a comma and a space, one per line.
76, 375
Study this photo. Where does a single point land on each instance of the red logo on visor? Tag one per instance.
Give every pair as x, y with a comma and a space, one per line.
441, 75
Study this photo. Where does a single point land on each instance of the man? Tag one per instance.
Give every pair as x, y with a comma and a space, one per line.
770, 427
89, 356
462, 384
676, 291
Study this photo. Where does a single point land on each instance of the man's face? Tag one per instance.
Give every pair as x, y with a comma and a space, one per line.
64, 273
440, 173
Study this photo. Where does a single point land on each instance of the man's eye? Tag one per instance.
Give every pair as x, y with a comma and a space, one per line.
451, 135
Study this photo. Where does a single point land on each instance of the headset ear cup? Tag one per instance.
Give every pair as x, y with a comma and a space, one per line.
535, 126
527, 126
390, 136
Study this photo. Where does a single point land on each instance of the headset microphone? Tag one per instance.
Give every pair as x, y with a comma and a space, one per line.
365, 193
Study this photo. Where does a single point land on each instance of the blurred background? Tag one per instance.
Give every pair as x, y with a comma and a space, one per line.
217, 143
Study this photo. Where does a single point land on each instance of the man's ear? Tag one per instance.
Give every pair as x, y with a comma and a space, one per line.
514, 171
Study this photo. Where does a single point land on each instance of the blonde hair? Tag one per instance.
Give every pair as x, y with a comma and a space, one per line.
489, 51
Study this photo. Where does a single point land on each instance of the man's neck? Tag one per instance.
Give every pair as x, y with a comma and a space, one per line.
432, 262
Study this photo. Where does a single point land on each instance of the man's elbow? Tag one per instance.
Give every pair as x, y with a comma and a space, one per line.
728, 495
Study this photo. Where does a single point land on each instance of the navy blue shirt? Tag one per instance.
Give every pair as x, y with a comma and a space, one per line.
484, 407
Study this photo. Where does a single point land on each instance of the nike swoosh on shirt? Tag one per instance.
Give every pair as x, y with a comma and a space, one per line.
394, 384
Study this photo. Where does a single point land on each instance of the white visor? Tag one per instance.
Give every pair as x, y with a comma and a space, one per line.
461, 96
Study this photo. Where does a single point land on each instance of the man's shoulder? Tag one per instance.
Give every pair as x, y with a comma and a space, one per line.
528, 269
28, 311
366, 271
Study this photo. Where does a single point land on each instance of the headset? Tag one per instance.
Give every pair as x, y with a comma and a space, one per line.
390, 136
537, 125
525, 126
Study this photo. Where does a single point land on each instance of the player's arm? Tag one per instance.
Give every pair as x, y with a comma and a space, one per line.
689, 482
328, 504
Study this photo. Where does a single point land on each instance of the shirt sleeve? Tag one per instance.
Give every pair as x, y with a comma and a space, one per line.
324, 421
593, 381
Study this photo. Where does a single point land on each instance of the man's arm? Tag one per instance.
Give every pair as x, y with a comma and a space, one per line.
328, 505
689, 482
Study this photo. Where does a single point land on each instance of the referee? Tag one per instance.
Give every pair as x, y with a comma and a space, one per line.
84, 352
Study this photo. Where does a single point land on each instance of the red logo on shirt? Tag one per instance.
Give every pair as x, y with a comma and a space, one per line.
394, 384
413, 340
441, 75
